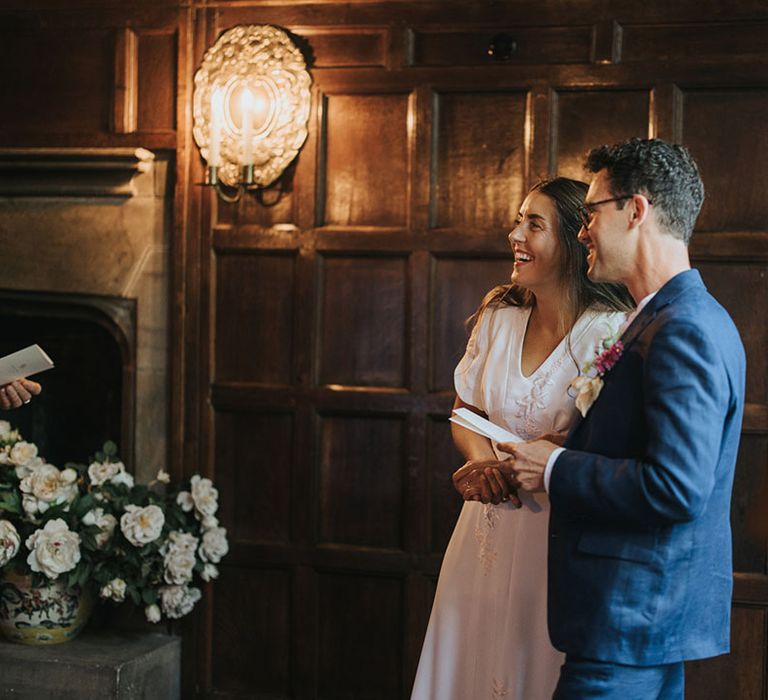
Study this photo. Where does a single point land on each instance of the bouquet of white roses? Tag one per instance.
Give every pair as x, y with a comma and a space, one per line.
98, 529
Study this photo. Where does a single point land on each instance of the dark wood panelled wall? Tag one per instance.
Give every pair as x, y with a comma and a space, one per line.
314, 336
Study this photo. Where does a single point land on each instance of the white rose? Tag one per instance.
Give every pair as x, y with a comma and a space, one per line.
105, 521
123, 478
205, 496
184, 499
209, 522
54, 549
142, 525
152, 613
5, 455
23, 452
49, 486
114, 590
179, 557
163, 477
214, 545
30, 505
29, 468
101, 472
5, 429
9, 541
589, 389
210, 572
177, 601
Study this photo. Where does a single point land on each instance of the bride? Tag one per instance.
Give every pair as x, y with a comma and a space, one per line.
487, 634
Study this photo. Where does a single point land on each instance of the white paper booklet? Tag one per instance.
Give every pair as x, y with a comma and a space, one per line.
23, 363
471, 421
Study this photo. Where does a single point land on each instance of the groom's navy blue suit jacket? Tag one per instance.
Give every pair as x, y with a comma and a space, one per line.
640, 542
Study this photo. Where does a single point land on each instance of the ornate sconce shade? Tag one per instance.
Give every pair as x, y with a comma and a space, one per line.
250, 107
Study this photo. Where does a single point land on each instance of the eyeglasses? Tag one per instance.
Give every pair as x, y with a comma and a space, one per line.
588, 208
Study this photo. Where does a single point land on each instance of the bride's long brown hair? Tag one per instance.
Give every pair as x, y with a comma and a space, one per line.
579, 291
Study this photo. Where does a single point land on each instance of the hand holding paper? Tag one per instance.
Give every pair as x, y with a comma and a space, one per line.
24, 363
471, 421
15, 388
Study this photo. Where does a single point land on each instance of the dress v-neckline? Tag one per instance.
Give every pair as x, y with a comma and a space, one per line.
555, 351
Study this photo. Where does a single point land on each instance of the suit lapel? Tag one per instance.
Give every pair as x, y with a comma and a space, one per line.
679, 284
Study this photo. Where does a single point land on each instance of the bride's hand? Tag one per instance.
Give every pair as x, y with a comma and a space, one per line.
481, 480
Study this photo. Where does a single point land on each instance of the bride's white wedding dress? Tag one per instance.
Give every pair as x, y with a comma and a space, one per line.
487, 636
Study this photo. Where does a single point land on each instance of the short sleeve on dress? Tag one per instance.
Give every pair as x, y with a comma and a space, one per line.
467, 377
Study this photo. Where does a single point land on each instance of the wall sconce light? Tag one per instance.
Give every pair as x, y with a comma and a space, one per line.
250, 107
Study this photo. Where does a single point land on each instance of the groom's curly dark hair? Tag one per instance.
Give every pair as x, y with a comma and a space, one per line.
665, 173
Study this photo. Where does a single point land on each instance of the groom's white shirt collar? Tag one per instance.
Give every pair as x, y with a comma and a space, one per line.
558, 451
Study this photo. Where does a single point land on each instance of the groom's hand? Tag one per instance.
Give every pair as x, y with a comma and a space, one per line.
529, 460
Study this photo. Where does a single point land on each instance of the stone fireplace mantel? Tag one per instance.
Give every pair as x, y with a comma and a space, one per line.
72, 172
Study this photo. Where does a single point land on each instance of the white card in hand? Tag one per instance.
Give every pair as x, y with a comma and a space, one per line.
471, 421
23, 363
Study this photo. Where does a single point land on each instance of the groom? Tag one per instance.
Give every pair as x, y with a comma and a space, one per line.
640, 543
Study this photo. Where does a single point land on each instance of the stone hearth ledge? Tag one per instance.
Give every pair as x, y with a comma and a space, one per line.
97, 664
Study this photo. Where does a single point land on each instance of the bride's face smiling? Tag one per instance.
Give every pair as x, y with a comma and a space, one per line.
535, 244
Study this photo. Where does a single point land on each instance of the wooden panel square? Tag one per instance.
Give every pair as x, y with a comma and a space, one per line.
361, 480
589, 118
727, 42
360, 637
157, 82
366, 173
740, 675
540, 45
254, 317
749, 552
346, 47
443, 459
56, 80
737, 286
252, 632
254, 456
458, 287
479, 159
727, 133
363, 332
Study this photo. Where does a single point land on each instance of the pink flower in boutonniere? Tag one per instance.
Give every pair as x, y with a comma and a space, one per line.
589, 384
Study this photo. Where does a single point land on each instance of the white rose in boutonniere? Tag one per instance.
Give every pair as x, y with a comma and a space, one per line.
54, 549
9, 542
142, 525
589, 384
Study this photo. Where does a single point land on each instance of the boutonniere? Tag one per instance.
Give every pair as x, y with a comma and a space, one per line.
589, 383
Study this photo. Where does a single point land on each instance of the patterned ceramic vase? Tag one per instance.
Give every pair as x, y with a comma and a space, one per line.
50, 614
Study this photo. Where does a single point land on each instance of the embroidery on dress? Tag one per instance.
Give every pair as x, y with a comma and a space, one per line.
499, 689
528, 406
484, 537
